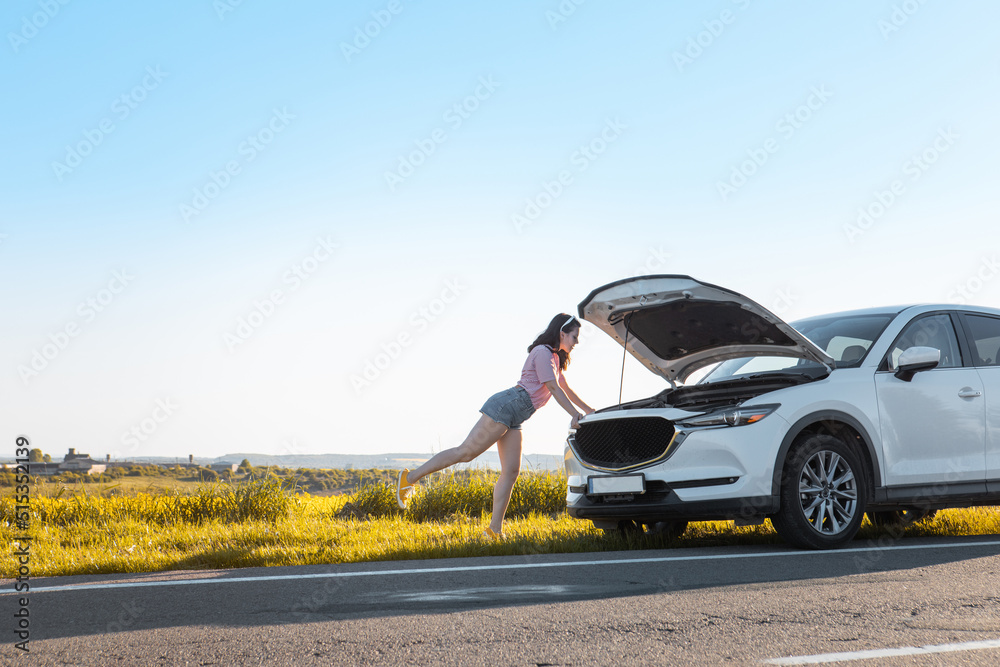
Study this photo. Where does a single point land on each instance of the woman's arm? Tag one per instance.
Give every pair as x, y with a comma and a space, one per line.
563, 400
573, 397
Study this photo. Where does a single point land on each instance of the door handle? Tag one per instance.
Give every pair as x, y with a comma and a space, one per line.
969, 392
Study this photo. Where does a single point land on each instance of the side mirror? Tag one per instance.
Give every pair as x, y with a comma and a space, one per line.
916, 359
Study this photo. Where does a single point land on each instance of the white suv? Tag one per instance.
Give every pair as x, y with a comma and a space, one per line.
894, 411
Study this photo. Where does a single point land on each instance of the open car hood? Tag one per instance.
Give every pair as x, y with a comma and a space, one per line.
677, 324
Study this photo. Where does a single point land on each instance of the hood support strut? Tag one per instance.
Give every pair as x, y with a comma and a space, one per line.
621, 382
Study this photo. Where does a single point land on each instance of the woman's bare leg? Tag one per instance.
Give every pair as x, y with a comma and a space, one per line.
480, 438
509, 448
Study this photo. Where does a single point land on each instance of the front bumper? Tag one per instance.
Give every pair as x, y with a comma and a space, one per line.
672, 507
714, 473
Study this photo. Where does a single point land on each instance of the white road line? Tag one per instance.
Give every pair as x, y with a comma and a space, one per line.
884, 653
502, 566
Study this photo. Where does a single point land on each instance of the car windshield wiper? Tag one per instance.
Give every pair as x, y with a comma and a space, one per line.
811, 374
773, 375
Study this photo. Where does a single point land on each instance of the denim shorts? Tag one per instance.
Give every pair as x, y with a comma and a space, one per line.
510, 407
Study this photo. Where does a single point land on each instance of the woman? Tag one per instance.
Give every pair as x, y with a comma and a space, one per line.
504, 412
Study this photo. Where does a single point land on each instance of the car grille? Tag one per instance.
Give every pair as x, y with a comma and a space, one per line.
618, 444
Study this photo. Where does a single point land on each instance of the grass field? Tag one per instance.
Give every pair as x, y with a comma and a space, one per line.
102, 529
153, 479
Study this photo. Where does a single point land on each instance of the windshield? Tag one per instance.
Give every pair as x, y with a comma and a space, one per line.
845, 338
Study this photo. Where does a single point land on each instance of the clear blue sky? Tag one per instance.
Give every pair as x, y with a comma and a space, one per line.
170, 170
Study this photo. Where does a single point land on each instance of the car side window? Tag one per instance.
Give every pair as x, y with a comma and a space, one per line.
985, 339
934, 331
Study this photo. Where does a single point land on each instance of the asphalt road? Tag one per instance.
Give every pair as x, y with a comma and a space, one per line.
681, 606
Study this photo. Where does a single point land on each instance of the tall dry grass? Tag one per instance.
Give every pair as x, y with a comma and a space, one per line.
260, 500
447, 495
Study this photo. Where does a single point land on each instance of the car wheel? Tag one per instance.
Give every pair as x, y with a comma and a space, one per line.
628, 527
900, 518
667, 529
824, 490
614, 526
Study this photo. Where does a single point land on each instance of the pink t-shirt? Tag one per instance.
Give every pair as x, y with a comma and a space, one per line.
541, 366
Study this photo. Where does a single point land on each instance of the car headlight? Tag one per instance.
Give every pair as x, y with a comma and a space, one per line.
731, 416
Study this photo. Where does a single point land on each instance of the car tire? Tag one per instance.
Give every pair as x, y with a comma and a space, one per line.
900, 518
667, 529
629, 527
625, 527
616, 526
824, 490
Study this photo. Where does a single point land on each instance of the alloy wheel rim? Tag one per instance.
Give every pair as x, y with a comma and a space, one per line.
828, 492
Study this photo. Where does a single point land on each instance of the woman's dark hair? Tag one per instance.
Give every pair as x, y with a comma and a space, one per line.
550, 337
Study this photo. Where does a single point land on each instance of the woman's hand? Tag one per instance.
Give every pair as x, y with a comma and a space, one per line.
575, 424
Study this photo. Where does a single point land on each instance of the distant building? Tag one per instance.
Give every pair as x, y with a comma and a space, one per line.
190, 463
224, 465
39, 468
74, 462
72, 455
